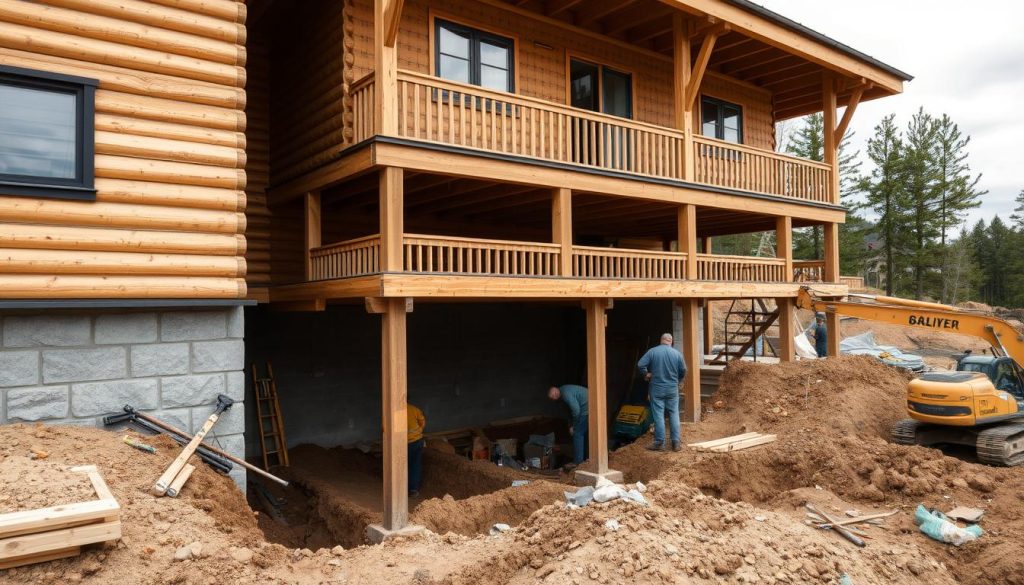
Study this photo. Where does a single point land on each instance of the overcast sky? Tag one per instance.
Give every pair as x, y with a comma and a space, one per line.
967, 60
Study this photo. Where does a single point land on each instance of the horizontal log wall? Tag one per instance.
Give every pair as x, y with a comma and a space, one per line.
257, 168
170, 152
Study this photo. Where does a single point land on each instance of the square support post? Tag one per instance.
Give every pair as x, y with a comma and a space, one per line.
313, 230
561, 228
831, 146
687, 220
385, 68
834, 335
709, 310
830, 232
392, 222
787, 332
682, 61
693, 358
597, 399
784, 244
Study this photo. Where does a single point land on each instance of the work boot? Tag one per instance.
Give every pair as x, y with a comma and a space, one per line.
656, 447
677, 446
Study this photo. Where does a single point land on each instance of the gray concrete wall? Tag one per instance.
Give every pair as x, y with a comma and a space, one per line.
74, 367
469, 364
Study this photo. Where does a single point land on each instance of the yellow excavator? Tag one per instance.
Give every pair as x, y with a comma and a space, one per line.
980, 405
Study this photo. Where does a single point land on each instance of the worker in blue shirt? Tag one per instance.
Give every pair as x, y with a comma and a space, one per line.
820, 333
663, 368
575, 397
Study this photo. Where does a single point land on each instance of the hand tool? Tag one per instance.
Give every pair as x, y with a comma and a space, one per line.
161, 485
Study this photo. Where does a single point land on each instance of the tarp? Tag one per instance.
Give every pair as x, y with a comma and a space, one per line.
865, 344
804, 349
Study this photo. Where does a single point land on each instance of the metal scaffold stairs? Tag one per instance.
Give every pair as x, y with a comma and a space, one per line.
268, 412
743, 326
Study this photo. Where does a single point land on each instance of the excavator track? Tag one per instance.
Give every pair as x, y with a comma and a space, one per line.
904, 432
1002, 445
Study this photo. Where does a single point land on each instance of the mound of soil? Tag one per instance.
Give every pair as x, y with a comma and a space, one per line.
28, 484
476, 514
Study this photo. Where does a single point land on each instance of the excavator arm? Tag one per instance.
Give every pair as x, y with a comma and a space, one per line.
921, 315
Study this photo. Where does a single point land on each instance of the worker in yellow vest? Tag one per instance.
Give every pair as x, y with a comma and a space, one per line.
417, 422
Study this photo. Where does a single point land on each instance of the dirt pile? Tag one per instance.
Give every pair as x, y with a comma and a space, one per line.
27, 483
476, 514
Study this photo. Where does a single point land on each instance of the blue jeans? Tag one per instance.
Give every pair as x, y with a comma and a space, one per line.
416, 465
579, 439
659, 406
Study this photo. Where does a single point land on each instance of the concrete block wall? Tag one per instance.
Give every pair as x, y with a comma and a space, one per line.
63, 367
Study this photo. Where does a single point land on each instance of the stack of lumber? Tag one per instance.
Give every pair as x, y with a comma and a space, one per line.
45, 534
734, 443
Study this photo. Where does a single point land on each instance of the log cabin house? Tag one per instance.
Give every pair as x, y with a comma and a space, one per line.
518, 172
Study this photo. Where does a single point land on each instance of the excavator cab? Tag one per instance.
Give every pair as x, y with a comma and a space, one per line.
1003, 371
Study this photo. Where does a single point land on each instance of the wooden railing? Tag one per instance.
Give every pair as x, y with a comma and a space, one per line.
855, 283
437, 110
476, 256
740, 268
616, 263
808, 270
740, 167
362, 108
346, 259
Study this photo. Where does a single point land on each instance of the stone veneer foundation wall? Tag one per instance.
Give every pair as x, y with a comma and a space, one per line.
74, 367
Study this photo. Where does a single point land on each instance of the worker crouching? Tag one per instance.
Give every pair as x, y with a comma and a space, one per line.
575, 397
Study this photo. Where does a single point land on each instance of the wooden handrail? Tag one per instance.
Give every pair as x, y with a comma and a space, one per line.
743, 168
327, 248
761, 152
808, 263
747, 259
432, 239
362, 82
625, 263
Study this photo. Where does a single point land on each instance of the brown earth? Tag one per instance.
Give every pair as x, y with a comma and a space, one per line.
712, 518
27, 483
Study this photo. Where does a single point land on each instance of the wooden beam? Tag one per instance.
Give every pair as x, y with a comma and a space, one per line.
379, 305
312, 229
385, 60
835, 336
784, 243
392, 18
561, 227
392, 224
693, 358
394, 414
597, 385
787, 329
314, 305
680, 81
598, 9
831, 250
851, 107
701, 64
687, 220
831, 146
556, 7
709, 310
635, 19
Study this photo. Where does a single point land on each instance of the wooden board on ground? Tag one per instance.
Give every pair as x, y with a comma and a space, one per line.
734, 443
46, 534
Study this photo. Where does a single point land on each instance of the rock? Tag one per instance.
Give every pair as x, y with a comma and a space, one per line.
671, 550
545, 571
197, 549
982, 483
183, 554
334, 563
338, 550
242, 555
728, 565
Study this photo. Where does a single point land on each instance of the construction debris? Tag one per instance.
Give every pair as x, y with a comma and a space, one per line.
936, 525
965, 514
128, 440
837, 526
734, 443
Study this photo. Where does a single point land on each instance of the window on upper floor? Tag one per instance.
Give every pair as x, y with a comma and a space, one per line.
46, 134
721, 120
473, 56
600, 89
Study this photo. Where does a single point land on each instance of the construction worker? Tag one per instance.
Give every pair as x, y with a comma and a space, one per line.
663, 368
575, 397
820, 334
417, 422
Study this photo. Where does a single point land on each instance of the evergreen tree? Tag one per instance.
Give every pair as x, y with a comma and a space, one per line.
955, 190
1018, 212
921, 176
885, 194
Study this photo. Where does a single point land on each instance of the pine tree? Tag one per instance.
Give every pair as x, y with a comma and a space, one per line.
885, 194
921, 177
1018, 212
955, 190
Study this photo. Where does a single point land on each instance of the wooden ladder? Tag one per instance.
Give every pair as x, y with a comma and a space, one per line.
743, 327
268, 412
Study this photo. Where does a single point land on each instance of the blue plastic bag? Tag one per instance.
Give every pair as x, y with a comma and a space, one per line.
935, 525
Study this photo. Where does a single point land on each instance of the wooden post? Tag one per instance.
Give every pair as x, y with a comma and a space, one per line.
392, 224
385, 66
831, 236
693, 358
395, 418
561, 227
709, 311
787, 347
687, 218
834, 335
313, 233
597, 320
784, 244
681, 78
831, 146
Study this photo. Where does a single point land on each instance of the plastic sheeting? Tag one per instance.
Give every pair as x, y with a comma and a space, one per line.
865, 344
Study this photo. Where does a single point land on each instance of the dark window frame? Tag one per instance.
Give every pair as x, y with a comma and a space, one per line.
82, 186
600, 89
475, 37
720, 120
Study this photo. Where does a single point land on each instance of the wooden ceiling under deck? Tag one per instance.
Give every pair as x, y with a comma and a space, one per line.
795, 82
440, 202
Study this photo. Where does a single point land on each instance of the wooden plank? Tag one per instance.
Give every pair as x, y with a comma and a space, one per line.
597, 383
61, 553
391, 219
46, 542
723, 441
745, 444
14, 523
694, 358
394, 415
